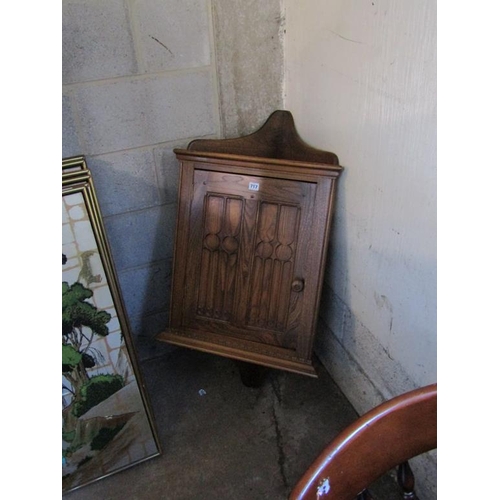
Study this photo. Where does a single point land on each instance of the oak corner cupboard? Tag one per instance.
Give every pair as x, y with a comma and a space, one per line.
253, 222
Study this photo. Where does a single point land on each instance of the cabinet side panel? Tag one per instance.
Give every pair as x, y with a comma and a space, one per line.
181, 243
316, 256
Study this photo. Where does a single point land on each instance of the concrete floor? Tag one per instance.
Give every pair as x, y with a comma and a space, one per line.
233, 442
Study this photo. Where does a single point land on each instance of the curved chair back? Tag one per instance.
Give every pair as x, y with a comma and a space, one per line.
380, 440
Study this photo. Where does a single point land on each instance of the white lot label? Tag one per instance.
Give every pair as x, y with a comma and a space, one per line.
253, 186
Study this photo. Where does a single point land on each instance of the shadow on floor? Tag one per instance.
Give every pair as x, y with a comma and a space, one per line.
223, 440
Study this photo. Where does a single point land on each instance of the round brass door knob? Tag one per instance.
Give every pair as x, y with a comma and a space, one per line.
297, 285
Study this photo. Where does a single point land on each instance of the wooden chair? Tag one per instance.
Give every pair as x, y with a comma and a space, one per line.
380, 440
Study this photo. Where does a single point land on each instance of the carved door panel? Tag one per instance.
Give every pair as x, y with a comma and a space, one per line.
247, 263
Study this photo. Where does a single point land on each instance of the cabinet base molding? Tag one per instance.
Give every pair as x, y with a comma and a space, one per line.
242, 353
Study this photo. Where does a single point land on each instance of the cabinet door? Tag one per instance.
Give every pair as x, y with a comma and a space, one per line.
247, 268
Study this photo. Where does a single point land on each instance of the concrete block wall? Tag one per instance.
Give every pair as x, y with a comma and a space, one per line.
141, 77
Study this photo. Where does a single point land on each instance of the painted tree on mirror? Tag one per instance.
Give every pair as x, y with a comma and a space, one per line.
81, 322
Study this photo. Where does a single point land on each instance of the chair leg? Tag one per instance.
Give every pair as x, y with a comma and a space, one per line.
406, 481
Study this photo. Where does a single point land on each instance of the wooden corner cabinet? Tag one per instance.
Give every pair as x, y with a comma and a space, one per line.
253, 223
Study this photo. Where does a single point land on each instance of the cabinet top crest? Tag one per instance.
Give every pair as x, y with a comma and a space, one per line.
277, 141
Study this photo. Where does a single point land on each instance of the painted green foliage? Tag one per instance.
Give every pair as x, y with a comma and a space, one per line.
81, 321
97, 389
77, 313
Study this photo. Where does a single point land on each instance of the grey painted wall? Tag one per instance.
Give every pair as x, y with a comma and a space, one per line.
361, 81
141, 77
